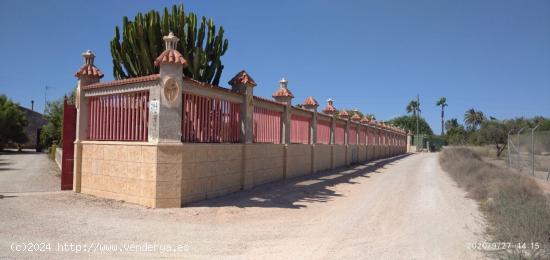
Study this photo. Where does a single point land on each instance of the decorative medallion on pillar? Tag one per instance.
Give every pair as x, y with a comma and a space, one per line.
171, 90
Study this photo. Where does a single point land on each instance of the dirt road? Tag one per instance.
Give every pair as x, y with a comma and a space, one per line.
27, 171
404, 209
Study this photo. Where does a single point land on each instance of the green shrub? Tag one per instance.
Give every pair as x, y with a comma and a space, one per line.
51, 151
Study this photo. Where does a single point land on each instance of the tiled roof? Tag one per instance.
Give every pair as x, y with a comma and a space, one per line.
283, 92
123, 81
242, 78
89, 70
268, 100
206, 85
170, 56
343, 114
329, 109
310, 101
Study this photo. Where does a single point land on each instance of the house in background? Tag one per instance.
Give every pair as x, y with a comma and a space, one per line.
35, 123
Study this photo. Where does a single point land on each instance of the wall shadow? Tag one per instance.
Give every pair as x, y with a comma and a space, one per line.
308, 188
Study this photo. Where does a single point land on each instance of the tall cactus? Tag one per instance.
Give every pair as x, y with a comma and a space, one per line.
202, 46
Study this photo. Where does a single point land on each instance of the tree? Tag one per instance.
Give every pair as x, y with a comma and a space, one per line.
408, 122
442, 102
473, 119
51, 132
495, 132
413, 107
451, 124
455, 132
141, 43
12, 123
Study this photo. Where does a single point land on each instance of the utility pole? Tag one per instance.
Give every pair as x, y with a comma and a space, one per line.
533, 149
417, 124
45, 96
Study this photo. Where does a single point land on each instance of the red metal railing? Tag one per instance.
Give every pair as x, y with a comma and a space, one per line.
363, 135
339, 133
299, 129
370, 136
210, 120
267, 125
323, 132
119, 117
352, 139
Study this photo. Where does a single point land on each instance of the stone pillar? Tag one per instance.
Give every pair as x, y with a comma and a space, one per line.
165, 117
344, 115
356, 118
87, 75
409, 139
243, 84
165, 110
311, 104
331, 110
284, 96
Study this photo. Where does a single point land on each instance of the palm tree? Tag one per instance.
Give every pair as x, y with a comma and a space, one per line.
413, 107
473, 118
442, 103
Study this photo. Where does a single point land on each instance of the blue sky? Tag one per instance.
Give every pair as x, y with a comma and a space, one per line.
372, 55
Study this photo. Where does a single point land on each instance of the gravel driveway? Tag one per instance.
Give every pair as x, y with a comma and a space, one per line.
27, 171
402, 209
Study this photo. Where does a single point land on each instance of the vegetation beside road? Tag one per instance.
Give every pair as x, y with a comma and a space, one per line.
12, 123
514, 206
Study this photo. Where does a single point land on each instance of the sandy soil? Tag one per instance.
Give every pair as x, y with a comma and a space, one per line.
405, 208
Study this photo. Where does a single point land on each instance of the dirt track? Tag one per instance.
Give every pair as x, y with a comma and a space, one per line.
406, 209
27, 171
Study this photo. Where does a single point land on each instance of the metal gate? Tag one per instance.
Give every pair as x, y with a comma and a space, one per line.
69, 136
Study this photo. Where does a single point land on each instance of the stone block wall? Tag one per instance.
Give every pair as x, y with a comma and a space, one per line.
298, 160
263, 163
175, 174
373, 152
131, 172
323, 157
210, 170
362, 153
339, 155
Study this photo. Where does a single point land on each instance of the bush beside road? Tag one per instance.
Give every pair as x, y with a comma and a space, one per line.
515, 207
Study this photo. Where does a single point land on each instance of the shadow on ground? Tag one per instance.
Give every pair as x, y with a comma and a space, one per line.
308, 188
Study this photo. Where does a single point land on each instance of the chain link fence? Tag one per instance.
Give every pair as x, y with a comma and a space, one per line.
529, 152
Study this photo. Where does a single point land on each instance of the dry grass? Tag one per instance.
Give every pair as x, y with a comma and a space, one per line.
514, 206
